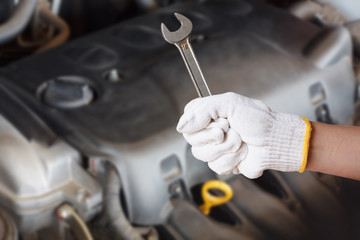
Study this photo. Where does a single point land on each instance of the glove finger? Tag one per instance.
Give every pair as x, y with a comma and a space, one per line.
201, 111
210, 152
228, 162
191, 104
212, 134
190, 122
205, 136
221, 123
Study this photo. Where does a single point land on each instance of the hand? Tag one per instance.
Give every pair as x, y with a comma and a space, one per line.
237, 134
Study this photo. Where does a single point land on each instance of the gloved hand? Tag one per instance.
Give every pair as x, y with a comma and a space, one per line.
237, 134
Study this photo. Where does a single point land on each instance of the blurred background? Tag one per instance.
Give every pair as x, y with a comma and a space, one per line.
90, 94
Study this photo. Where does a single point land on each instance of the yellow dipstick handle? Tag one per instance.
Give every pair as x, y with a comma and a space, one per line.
212, 200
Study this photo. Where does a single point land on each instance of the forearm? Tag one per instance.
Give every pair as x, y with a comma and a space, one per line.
335, 150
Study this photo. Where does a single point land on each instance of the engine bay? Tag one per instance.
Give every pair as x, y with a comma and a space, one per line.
88, 127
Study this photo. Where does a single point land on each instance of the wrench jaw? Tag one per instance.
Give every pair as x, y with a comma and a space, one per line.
182, 33
165, 32
181, 39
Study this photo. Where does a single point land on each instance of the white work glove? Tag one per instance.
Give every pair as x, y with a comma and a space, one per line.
237, 134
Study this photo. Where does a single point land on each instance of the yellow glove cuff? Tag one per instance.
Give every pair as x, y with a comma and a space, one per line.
306, 145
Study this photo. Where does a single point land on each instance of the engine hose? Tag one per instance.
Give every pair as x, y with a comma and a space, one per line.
305, 10
18, 21
113, 210
67, 214
58, 23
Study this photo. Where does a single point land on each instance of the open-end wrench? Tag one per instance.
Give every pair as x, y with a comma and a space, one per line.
181, 39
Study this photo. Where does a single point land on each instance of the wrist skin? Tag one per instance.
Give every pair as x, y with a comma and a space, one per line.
335, 150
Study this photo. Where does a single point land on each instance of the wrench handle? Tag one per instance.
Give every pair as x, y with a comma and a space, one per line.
193, 67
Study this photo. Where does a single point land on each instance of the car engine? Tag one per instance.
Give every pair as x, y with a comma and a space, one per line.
89, 148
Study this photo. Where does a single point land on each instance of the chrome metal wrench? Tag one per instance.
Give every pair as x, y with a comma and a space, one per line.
181, 39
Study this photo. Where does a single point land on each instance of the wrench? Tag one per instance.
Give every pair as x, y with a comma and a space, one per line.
181, 39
